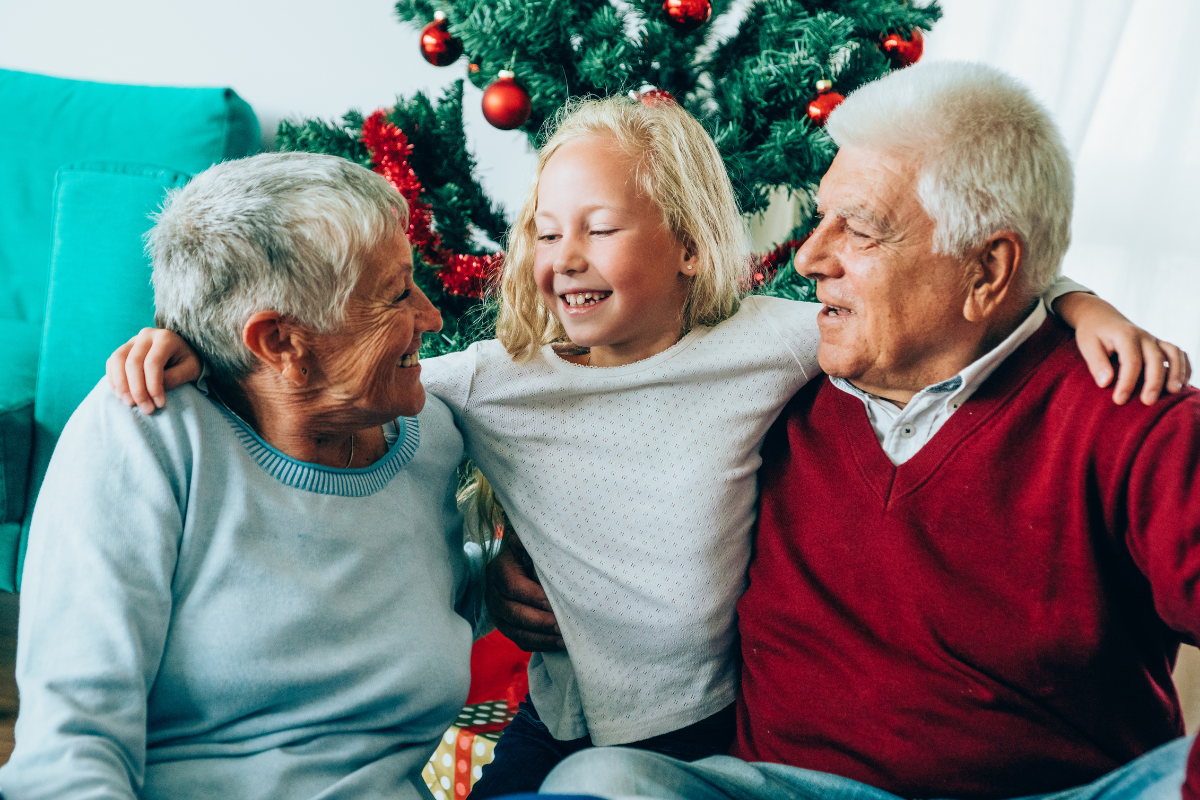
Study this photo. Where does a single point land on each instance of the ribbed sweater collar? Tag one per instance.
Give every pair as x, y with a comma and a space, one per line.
320, 479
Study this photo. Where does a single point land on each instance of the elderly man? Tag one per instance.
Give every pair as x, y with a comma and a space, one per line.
973, 571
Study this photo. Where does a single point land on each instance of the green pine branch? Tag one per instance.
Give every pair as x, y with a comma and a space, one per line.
751, 91
318, 136
446, 169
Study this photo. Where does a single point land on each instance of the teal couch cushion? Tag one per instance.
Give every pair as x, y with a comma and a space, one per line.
19, 343
100, 295
46, 123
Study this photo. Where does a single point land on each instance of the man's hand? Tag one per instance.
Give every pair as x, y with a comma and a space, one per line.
516, 602
1102, 332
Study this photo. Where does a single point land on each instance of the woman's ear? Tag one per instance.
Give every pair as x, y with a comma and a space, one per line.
279, 343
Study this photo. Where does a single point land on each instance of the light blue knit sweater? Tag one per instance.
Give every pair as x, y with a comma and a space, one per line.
204, 617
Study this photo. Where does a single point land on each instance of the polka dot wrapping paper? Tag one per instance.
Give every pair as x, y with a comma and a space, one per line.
465, 748
499, 681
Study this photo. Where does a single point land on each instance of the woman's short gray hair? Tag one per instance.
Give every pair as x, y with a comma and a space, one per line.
990, 158
285, 232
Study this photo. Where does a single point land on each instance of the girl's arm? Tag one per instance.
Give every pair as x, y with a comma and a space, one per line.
1102, 332
142, 370
516, 602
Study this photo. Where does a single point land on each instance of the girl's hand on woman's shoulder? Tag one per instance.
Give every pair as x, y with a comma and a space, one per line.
142, 370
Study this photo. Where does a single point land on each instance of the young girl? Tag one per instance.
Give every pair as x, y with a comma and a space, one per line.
618, 417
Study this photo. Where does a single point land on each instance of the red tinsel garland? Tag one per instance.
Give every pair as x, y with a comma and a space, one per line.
766, 266
462, 275
469, 276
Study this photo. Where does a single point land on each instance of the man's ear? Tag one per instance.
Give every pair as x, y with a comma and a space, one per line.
279, 343
992, 275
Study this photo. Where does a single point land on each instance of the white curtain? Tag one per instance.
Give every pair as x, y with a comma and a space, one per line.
1123, 81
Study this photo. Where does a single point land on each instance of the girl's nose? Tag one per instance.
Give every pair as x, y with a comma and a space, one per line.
569, 257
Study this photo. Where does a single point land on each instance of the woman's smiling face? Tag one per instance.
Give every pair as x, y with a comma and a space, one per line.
606, 263
371, 363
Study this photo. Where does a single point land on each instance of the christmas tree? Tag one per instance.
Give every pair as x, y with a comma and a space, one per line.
762, 92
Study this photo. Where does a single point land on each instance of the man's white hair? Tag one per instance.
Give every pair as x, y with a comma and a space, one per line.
285, 232
989, 157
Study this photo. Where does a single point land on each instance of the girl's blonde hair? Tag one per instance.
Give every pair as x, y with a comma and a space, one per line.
680, 171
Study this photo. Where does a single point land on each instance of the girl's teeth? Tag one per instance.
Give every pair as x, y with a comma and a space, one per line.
584, 298
409, 360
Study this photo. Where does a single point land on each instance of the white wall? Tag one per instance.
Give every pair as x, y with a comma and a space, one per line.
288, 59
1118, 75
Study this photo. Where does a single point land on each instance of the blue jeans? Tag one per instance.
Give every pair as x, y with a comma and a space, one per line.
527, 752
621, 774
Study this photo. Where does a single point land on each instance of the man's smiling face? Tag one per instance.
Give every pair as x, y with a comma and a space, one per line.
892, 307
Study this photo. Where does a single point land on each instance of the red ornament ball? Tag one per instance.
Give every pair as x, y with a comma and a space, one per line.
437, 45
653, 97
824, 103
506, 104
904, 52
687, 15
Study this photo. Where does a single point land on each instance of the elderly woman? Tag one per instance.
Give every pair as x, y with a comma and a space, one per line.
259, 591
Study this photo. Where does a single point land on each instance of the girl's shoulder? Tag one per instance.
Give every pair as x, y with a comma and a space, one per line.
773, 323
787, 318
456, 377
485, 354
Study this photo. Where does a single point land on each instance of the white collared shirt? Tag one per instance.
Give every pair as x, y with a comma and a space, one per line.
903, 431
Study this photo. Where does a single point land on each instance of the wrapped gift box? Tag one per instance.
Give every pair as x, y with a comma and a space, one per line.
499, 681
465, 748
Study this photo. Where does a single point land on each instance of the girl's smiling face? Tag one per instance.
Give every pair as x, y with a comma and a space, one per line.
606, 263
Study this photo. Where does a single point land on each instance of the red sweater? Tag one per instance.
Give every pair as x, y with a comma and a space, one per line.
996, 617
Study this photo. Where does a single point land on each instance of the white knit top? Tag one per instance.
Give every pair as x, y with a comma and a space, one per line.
633, 489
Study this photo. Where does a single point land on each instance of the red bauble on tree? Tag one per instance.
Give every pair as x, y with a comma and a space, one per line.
904, 52
506, 104
824, 104
687, 15
652, 96
437, 45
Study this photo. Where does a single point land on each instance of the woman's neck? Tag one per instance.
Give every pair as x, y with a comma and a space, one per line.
300, 426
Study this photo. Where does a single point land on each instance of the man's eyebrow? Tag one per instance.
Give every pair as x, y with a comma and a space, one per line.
861, 213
